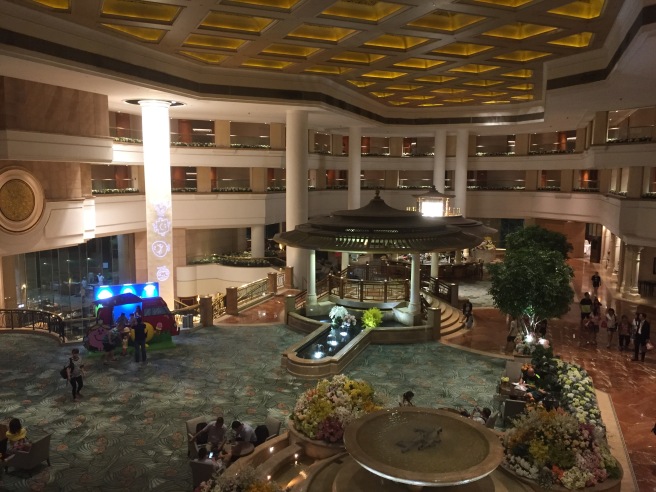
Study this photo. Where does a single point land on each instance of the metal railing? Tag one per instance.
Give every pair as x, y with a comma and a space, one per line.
447, 291
280, 280
218, 306
369, 290
36, 320
248, 292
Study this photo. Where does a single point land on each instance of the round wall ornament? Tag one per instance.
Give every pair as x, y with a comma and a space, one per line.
21, 200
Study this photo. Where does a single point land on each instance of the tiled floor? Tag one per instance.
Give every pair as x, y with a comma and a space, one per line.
628, 383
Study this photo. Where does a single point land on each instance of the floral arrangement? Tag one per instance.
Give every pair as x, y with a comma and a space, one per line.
340, 317
578, 396
247, 479
372, 318
323, 412
554, 448
528, 344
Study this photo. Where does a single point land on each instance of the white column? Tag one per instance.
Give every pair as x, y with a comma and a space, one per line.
355, 167
257, 241
439, 168
627, 261
460, 175
616, 255
415, 304
631, 272
159, 215
296, 196
311, 297
439, 160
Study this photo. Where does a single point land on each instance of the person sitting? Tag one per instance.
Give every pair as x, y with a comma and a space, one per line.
406, 399
215, 458
477, 415
531, 380
122, 320
216, 433
17, 437
243, 432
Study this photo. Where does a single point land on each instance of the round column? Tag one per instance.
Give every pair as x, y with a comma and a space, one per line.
159, 215
414, 306
355, 167
257, 241
439, 159
460, 175
311, 297
296, 195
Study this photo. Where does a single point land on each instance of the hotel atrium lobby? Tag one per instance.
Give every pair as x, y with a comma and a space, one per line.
158, 140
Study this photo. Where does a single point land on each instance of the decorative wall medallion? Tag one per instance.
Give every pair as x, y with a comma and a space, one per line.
163, 273
160, 248
21, 200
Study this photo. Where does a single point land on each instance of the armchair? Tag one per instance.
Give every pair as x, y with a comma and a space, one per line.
38, 453
192, 447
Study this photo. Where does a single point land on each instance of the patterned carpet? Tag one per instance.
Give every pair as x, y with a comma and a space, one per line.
128, 432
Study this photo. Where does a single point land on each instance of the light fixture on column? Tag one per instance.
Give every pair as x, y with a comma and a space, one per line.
433, 203
156, 134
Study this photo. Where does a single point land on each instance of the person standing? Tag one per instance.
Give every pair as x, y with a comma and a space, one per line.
641, 337
611, 325
75, 372
596, 282
513, 331
624, 333
468, 312
140, 341
586, 307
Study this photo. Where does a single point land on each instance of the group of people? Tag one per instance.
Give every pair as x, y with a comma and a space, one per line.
119, 335
593, 321
212, 438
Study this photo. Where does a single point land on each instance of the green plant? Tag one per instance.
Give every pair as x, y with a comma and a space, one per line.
372, 318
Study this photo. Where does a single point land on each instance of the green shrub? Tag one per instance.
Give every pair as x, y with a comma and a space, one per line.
372, 318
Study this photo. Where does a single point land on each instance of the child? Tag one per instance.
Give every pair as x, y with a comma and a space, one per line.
17, 437
125, 336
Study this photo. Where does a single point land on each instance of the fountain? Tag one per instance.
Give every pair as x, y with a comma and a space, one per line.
423, 447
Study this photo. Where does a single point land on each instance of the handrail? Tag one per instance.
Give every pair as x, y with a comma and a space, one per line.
248, 292
218, 305
29, 318
376, 290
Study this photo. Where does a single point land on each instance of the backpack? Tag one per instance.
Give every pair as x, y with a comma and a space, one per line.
64, 372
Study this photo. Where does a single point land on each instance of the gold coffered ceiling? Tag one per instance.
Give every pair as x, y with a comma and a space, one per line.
435, 54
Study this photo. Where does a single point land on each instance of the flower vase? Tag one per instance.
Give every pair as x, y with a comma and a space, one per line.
313, 448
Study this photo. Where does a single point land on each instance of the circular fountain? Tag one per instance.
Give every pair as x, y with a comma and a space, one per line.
423, 447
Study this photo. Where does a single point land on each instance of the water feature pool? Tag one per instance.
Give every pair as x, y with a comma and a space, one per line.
329, 342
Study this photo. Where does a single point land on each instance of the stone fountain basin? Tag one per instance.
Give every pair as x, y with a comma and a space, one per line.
398, 444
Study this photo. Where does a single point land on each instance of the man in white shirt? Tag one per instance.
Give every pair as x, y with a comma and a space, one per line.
243, 432
216, 433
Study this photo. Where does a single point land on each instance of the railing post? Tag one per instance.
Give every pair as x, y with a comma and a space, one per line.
366, 271
434, 321
406, 284
453, 290
361, 289
206, 311
272, 283
385, 287
341, 287
289, 277
290, 305
231, 301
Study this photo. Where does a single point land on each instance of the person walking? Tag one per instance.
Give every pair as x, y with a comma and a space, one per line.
596, 283
641, 337
75, 372
140, 341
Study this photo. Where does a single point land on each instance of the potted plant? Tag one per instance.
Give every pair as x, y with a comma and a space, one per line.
372, 318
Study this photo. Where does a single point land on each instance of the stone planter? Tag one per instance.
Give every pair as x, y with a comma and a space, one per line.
318, 450
610, 485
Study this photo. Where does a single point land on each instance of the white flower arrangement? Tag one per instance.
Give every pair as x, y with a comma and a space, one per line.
338, 312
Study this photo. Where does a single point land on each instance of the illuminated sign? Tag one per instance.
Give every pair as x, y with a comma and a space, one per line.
149, 289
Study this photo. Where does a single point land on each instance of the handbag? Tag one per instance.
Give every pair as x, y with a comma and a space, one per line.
649, 346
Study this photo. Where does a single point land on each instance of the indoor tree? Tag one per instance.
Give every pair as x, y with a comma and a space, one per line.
532, 284
540, 238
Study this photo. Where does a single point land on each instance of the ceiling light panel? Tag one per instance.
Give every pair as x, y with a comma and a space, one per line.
357, 57
361, 83
224, 21
482, 83
522, 56
210, 58
519, 31
419, 63
145, 34
384, 74
474, 68
382, 95
283, 5
140, 11
396, 42
443, 20
398, 103
316, 32
524, 73
289, 50
362, 11
328, 69
214, 42
462, 49
59, 5
435, 79
267, 64
582, 9
505, 3
521, 87
449, 90
580, 40
403, 87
